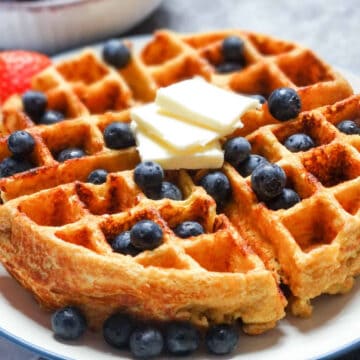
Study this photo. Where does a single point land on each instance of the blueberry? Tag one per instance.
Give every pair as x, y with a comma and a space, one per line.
97, 176
10, 166
68, 323
118, 135
233, 49
268, 181
228, 67
250, 164
117, 330
217, 185
148, 176
146, 342
34, 103
167, 191
284, 104
285, 200
20, 143
122, 244
299, 142
70, 153
221, 339
349, 127
189, 228
237, 150
181, 338
116, 53
51, 117
146, 235
262, 99
170, 191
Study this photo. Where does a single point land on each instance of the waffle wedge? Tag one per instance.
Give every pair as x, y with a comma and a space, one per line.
314, 246
213, 277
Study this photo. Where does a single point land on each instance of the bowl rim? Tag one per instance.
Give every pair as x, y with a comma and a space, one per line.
40, 4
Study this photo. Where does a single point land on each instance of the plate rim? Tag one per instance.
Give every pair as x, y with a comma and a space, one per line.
38, 350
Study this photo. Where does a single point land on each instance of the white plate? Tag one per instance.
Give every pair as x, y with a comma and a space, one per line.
53, 25
333, 329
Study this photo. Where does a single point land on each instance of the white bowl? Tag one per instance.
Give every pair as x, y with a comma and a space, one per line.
54, 25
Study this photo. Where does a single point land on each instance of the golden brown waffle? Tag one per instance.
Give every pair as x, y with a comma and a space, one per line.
212, 277
85, 85
314, 245
219, 276
85, 132
270, 64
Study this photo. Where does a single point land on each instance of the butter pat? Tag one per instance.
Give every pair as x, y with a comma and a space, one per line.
205, 105
176, 133
212, 157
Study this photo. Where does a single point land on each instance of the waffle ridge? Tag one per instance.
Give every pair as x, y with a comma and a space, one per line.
246, 251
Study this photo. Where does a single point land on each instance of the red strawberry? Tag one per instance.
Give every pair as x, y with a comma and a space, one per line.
17, 67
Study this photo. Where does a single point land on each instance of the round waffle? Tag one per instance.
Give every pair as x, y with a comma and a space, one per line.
56, 242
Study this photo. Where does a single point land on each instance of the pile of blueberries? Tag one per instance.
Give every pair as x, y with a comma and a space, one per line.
147, 340
267, 180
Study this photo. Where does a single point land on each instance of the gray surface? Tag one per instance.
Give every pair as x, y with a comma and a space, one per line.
331, 28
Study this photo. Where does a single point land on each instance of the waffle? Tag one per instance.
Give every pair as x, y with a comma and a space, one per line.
270, 64
84, 87
246, 252
314, 246
212, 277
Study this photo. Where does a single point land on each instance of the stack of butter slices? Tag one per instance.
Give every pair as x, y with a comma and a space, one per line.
183, 128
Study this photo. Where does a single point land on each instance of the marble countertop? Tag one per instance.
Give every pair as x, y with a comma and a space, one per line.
329, 27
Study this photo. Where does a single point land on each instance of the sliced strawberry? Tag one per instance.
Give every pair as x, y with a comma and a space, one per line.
17, 67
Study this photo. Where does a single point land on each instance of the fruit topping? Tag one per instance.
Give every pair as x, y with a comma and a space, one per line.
51, 117
246, 167
146, 342
97, 176
299, 142
181, 338
233, 49
146, 235
349, 127
11, 165
117, 330
268, 181
34, 103
70, 153
228, 67
20, 143
237, 150
149, 176
284, 104
17, 68
188, 228
118, 135
217, 185
122, 244
167, 191
285, 200
116, 53
68, 323
221, 339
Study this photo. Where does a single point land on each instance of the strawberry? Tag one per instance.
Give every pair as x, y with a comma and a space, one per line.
17, 67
